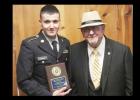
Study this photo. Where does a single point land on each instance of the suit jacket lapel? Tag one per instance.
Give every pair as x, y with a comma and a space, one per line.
106, 64
84, 64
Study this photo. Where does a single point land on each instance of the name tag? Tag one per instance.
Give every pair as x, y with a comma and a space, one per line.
42, 58
65, 51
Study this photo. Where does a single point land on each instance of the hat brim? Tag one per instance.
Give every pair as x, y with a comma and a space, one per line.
92, 24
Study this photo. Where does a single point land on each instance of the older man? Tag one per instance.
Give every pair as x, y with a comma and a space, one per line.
98, 65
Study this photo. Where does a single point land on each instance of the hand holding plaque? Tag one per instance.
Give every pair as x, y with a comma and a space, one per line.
57, 76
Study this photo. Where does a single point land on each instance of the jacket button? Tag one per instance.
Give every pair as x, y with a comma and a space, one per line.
43, 62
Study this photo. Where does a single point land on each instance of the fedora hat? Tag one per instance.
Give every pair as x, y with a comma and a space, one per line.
91, 18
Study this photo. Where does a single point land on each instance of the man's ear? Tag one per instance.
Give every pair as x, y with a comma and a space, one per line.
39, 20
103, 27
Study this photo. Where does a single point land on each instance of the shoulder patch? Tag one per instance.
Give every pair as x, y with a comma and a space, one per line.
33, 38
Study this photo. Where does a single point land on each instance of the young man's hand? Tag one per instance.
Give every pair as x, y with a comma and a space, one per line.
61, 92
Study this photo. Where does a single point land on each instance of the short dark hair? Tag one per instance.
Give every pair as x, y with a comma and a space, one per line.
50, 9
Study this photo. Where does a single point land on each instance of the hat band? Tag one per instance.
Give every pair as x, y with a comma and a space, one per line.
91, 21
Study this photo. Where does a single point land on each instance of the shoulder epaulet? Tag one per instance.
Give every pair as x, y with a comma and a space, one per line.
33, 38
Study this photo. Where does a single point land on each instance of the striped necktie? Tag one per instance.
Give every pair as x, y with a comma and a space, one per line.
95, 69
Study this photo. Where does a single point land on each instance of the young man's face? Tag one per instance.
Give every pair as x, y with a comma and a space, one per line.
50, 24
93, 34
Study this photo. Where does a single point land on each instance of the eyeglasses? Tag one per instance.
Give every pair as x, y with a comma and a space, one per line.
87, 30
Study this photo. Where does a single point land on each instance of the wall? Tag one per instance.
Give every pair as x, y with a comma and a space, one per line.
119, 19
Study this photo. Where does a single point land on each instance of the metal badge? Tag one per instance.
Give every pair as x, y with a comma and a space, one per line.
42, 41
109, 53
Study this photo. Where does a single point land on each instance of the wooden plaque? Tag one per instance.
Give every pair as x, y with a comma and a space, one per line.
57, 76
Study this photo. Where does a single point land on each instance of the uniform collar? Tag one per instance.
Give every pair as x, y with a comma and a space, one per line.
49, 39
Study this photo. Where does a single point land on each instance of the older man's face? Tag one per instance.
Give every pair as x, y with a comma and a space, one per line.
93, 34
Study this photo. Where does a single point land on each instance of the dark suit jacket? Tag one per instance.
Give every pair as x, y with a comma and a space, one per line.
34, 55
116, 79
